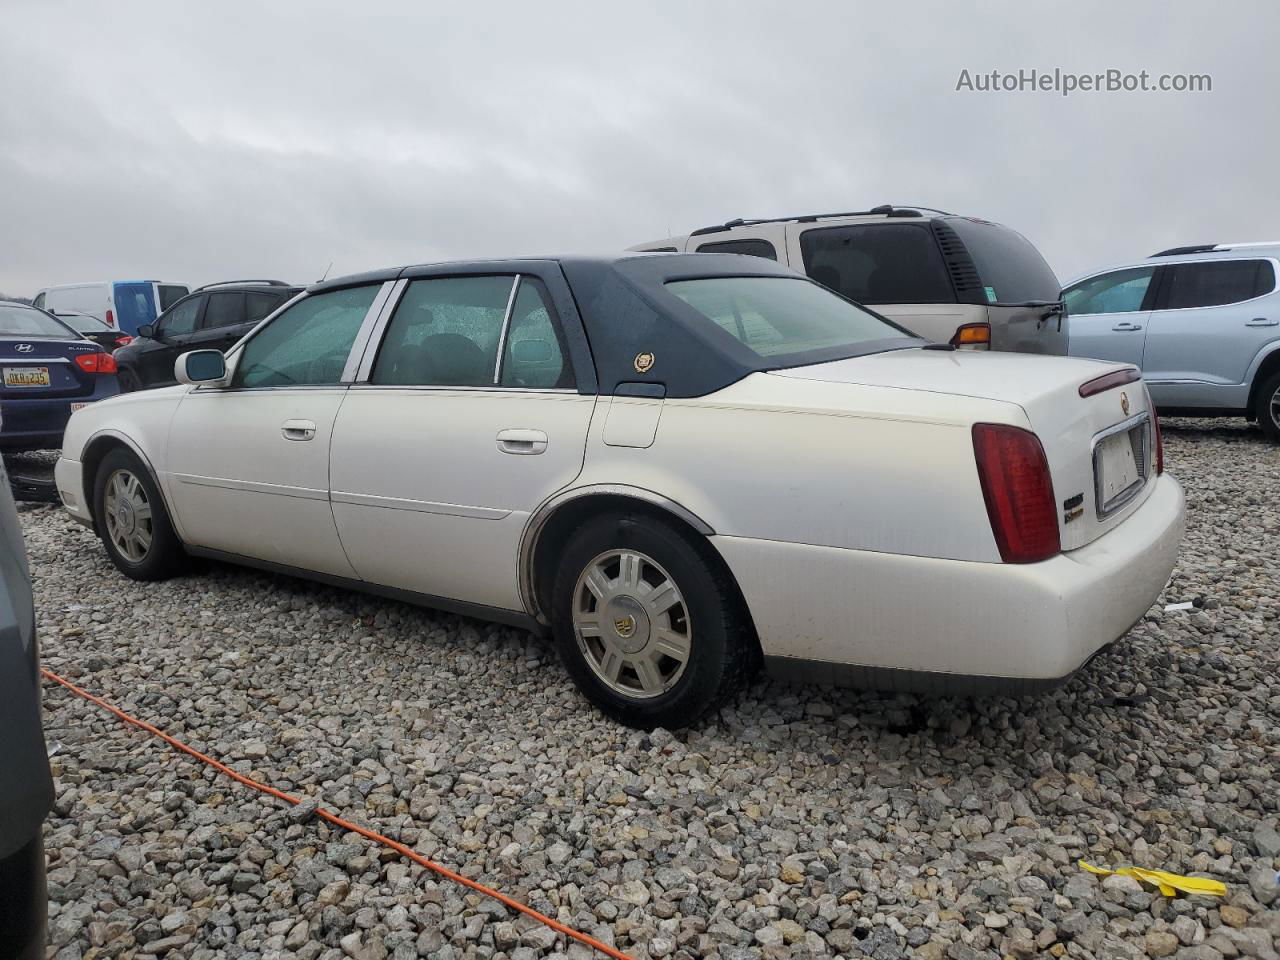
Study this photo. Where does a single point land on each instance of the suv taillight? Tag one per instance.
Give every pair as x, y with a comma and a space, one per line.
96, 362
1016, 485
972, 336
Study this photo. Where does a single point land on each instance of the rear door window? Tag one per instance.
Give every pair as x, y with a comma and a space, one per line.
1010, 266
445, 332
534, 353
1215, 283
1121, 291
224, 310
746, 247
878, 263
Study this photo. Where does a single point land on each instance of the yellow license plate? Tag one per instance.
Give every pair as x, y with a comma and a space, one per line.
26, 376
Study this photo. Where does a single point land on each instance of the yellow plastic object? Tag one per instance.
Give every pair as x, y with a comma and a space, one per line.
1169, 883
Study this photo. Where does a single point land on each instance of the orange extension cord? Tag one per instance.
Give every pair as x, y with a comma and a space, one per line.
346, 824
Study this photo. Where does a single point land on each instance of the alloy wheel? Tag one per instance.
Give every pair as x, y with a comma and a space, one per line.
632, 624
127, 513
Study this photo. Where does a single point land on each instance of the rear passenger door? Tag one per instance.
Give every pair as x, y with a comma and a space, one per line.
1211, 319
471, 408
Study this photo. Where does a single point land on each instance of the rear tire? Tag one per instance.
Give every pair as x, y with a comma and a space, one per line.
132, 521
1266, 408
648, 625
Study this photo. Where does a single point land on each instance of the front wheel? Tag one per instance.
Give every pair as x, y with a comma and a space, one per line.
132, 521
647, 624
1267, 408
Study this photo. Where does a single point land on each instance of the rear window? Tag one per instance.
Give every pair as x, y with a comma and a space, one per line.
171, 293
85, 323
748, 248
878, 263
1213, 283
1011, 268
25, 322
782, 317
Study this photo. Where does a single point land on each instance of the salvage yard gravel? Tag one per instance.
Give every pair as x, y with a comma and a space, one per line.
798, 822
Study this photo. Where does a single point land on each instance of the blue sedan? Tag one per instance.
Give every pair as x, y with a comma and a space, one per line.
47, 371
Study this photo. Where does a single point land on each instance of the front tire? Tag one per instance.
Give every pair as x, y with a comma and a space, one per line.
648, 625
131, 519
1266, 408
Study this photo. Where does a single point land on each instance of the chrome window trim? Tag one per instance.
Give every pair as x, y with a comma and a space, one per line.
506, 325
483, 388
1125, 496
356, 355
378, 329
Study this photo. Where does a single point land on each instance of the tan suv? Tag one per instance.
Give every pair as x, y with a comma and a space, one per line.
959, 280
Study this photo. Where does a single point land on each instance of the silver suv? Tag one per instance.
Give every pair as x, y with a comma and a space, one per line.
972, 283
1202, 322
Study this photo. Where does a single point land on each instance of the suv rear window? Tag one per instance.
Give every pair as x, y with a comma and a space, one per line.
1011, 268
878, 263
781, 316
1213, 283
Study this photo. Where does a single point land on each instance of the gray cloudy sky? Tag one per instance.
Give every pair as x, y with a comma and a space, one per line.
196, 142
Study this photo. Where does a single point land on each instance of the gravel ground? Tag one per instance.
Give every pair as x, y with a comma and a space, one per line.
802, 822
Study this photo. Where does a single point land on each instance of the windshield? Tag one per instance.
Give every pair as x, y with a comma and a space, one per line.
783, 316
28, 322
1011, 268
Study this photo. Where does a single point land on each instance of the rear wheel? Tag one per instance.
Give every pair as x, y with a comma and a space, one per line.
1267, 408
132, 520
649, 627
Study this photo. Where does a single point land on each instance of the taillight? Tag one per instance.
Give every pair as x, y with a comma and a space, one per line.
972, 336
96, 362
111, 320
123, 341
1016, 485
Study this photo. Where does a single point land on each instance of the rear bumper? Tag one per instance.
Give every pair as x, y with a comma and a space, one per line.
40, 422
900, 622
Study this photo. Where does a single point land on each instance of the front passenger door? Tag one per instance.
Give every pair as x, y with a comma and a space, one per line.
248, 465
173, 332
1107, 315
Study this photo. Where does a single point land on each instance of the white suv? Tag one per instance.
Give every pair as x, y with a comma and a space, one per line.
1202, 322
959, 280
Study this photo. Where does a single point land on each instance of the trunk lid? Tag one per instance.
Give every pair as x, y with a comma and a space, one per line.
1114, 427
43, 368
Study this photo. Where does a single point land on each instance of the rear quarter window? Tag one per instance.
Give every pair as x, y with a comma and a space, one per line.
748, 248
878, 263
1011, 268
1216, 283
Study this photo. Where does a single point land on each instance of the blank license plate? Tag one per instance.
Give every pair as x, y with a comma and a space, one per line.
26, 376
1117, 467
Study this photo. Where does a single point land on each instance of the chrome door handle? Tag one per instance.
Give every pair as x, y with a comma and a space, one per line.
522, 442
1261, 322
1127, 326
298, 429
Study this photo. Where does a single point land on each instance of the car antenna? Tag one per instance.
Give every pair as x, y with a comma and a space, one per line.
326, 272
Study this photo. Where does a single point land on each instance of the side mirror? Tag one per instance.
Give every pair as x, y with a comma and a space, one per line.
147, 330
200, 366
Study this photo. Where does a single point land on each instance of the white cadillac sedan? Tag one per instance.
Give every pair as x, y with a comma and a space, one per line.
679, 465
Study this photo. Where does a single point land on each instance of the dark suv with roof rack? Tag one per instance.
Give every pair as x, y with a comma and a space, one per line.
214, 316
959, 280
